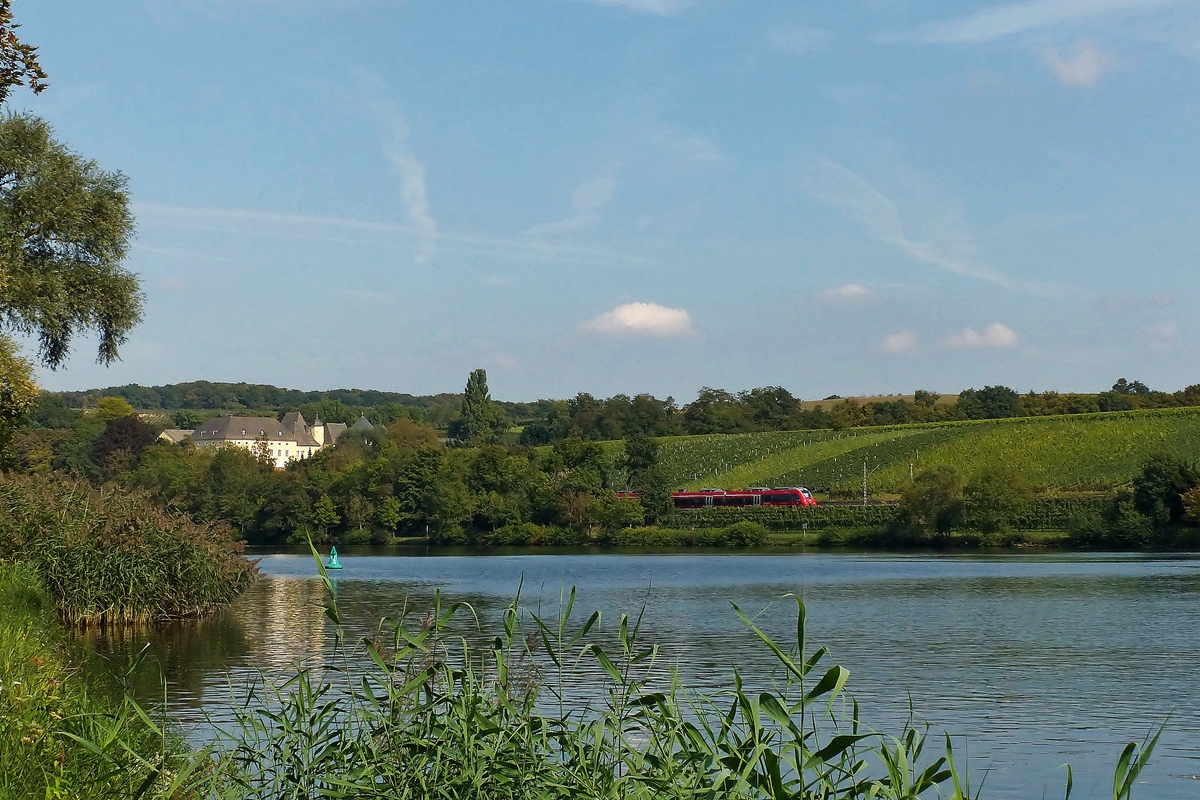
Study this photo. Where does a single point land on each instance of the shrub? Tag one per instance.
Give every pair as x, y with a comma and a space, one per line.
516, 534
744, 534
934, 503
562, 537
108, 555
649, 537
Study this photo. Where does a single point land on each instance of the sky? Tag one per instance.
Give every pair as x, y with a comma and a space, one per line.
626, 196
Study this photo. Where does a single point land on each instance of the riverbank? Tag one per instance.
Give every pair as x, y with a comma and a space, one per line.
63, 735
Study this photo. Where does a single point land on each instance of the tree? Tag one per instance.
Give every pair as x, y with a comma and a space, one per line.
52, 412
1123, 386
184, 419
122, 442
934, 504
640, 462
926, 399
480, 421
993, 494
323, 518
65, 228
1159, 489
406, 433
18, 392
990, 402
18, 61
110, 408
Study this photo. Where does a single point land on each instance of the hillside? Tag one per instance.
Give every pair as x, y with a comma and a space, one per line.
1077, 452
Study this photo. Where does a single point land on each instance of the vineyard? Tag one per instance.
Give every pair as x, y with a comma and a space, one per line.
1077, 452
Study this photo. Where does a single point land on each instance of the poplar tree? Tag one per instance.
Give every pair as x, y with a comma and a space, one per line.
477, 423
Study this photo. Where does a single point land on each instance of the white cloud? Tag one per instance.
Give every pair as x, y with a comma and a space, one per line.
848, 192
414, 196
586, 201
798, 39
642, 319
310, 227
1082, 69
999, 21
846, 294
413, 192
902, 342
996, 336
663, 8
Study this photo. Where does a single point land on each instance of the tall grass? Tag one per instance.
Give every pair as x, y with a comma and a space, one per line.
60, 737
109, 556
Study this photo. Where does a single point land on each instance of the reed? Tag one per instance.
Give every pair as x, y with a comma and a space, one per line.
109, 556
62, 736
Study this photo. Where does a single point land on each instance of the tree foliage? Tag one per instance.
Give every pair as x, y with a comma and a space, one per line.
481, 421
18, 61
122, 443
65, 228
934, 502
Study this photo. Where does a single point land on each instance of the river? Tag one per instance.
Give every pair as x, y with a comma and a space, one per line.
1029, 661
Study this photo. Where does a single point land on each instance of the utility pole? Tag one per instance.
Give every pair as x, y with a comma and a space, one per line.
864, 481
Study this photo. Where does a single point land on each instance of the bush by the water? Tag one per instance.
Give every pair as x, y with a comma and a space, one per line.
62, 737
106, 555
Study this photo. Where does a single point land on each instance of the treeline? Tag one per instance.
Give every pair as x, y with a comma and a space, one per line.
335, 405
774, 408
406, 480
769, 408
394, 481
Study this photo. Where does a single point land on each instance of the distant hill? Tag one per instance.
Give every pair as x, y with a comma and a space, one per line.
209, 396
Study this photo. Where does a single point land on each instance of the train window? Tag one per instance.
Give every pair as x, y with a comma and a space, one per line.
758, 499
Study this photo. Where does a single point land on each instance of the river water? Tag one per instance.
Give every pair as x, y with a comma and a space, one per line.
1031, 661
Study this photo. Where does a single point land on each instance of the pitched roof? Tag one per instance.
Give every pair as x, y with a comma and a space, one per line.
229, 427
175, 435
293, 422
363, 424
333, 430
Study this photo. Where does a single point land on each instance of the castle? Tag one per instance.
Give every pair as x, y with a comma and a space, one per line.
286, 440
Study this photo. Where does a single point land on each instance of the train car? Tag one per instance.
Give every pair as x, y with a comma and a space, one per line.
755, 496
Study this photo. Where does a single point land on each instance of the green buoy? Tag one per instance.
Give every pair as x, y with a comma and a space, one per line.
333, 562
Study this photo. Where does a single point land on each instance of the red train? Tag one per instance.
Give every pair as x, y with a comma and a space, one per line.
754, 496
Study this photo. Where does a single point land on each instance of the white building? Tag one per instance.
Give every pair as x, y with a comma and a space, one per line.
289, 439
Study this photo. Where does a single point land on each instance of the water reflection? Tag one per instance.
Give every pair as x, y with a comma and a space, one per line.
1037, 660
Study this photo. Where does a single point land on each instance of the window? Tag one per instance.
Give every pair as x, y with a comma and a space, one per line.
243, 433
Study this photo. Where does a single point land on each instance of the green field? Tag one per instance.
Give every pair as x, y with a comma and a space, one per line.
1076, 452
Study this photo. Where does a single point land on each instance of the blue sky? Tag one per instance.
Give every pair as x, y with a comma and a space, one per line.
644, 195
